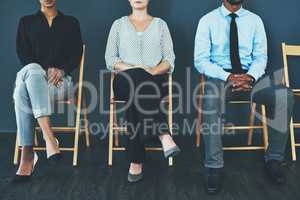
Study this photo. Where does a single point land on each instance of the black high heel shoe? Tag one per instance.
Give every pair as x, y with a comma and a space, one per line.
55, 158
25, 178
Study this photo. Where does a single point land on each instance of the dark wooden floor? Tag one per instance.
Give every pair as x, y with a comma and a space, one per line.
92, 179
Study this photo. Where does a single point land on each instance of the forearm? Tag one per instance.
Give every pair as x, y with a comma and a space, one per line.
211, 69
257, 69
163, 68
121, 66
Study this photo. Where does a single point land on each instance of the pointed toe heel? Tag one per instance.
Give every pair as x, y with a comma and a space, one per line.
172, 152
134, 178
26, 178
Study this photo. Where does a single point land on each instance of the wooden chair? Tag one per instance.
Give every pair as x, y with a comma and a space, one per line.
250, 128
114, 129
291, 50
77, 130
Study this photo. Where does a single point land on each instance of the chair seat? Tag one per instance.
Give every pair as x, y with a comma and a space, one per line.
115, 100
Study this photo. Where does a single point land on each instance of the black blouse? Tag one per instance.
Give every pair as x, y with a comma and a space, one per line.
58, 46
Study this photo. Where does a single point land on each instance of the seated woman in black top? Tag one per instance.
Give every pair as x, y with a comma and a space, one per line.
49, 46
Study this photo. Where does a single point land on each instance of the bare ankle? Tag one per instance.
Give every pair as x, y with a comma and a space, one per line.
49, 137
136, 168
136, 164
164, 137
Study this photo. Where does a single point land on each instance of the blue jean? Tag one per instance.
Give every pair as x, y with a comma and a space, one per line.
33, 98
278, 100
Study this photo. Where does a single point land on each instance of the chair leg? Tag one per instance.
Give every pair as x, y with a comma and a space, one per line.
199, 123
293, 143
265, 127
77, 132
111, 135
36, 141
76, 139
252, 120
199, 114
86, 124
170, 112
115, 119
198, 128
75, 152
171, 159
171, 162
17, 150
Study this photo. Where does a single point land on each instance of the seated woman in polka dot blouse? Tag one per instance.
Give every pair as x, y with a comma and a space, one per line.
140, 52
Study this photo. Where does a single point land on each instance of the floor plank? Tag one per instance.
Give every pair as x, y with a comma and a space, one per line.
92, 179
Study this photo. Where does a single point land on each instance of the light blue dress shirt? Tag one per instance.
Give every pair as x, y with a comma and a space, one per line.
212, 43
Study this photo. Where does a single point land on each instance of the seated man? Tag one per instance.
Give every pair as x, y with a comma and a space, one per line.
231, 51
49, 46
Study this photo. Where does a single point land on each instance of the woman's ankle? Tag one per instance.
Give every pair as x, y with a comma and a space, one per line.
52, 147
49, 137
165, 137
136, 168
25, 167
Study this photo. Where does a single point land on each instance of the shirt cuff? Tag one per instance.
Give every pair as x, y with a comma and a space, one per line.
224, 75
172, 65
255, 75
111, 65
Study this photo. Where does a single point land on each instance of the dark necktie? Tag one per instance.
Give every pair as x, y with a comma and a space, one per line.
234, 46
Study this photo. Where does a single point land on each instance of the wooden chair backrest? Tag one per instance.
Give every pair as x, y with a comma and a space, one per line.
288, 50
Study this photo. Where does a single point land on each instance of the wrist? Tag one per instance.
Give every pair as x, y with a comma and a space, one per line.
252, 79
63, 73
229, 77
153, 71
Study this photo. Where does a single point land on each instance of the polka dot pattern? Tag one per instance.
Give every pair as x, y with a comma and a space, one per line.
148, 48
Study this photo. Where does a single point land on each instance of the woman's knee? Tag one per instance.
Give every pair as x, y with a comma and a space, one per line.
29, 70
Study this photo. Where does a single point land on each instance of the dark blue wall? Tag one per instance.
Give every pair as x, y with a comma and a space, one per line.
282, 19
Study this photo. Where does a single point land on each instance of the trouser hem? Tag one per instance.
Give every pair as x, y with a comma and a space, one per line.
214, 166
277, 158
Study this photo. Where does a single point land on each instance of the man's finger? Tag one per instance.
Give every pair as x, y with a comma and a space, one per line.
56, 80
53, 77
245, 77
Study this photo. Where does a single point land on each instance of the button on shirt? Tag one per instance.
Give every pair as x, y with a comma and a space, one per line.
212, 43
148, 48
58, 46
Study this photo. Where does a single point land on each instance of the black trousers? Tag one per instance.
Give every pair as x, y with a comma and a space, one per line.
145, 117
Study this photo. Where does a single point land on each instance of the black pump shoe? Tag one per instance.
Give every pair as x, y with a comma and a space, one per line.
55, 158
25, 178
172, 152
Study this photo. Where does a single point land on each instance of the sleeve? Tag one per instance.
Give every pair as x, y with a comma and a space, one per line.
167, 46
202, 57
112, 56
260, 52
75, 48
23, 45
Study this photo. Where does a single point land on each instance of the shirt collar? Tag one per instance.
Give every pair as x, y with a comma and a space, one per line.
225, 12
41, 14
